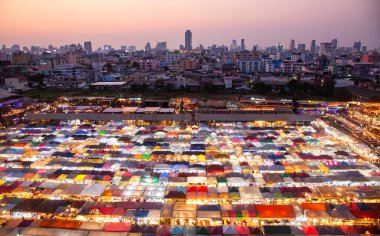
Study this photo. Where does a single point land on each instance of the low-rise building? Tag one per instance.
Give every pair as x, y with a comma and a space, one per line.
64, 84
16, 84
149, 63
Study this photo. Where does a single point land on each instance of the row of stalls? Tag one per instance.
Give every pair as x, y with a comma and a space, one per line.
155, 213
193, 190
77, 228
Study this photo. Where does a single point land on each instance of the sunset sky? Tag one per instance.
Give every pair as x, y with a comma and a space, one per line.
127, 22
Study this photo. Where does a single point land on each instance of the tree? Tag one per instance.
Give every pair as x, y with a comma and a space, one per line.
135, 65
327, 86
342, 94
168, 87
293, 86
109, 67
262, 88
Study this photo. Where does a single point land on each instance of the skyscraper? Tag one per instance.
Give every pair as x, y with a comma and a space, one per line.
301, 47
242, 44
88, 46
233, 45
162, 46
148, 47
292, 45
364, 48
188, 40
357, 46
325, 48
280, 47
312, 46
334, 44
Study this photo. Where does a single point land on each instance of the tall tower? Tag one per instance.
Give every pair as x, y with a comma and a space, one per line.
292, 45
242, 44
188, 40
280, 47
312, 46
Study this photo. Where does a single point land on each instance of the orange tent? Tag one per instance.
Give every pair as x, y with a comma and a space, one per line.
275, 211
314, 206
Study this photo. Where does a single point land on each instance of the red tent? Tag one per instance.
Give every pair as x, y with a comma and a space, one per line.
348, 229
117, 227
106, 210
242, 230
163, 230
309, 230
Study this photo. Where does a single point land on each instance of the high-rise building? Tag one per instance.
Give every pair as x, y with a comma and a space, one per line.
15, 48
325, 48
334, 44
292, 45
301, 47
107, 48
357, 46
132, 48
364, 48
162, 46
280, 47
148, 47
233, 45
88, 46
312, 46
242, 44
188, 40
254, 48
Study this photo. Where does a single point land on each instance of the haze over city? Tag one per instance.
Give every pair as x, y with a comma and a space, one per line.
118, 22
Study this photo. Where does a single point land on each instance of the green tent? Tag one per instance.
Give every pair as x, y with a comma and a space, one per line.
149, 180
145, 156
102, 132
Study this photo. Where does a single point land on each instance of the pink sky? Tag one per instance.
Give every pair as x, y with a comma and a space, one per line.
127, 22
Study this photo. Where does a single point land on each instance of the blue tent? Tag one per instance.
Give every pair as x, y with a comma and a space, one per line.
142, 213
176, 229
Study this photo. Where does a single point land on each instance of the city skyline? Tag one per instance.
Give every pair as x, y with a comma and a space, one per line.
135, 23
